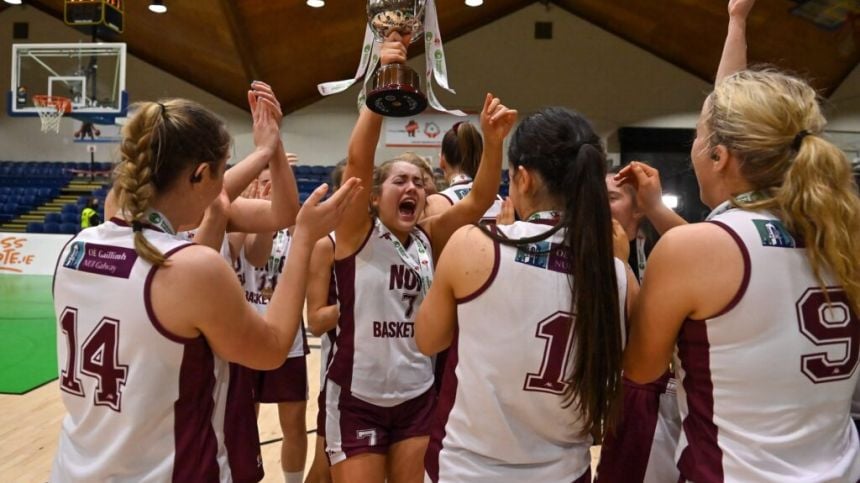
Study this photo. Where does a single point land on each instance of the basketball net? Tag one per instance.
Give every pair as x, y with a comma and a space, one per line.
51, 110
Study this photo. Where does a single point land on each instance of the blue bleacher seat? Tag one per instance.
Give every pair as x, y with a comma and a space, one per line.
71, 208
53, 218
70, 218
52, 227
35, 227
69, 228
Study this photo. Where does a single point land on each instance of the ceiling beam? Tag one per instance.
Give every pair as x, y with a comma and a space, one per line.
240, 40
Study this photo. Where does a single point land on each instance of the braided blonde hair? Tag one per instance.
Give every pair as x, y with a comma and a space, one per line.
161, 141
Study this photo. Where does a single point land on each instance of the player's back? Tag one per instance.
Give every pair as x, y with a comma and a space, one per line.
143, 404
502, 400
765, 387
457, 191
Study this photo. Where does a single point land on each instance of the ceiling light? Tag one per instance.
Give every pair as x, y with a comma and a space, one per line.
316, 3
157, 6
13, 2
474, 3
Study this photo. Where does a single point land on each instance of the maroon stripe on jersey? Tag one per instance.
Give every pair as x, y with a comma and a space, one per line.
241, 437
194, 436
701, 460
746, 280
489, 282
447, 198
340, 369
585, 478
625, 452
445, 404
147, 299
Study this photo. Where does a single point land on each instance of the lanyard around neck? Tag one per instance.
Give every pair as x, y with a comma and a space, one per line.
421, 266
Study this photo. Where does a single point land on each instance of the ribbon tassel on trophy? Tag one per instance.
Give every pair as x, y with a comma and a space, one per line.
395, 90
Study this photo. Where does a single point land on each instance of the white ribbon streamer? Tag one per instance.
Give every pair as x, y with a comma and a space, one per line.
434, 57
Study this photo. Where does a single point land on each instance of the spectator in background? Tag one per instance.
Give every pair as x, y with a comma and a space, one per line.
90, 214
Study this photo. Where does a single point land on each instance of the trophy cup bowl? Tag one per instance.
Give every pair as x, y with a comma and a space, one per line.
396, 88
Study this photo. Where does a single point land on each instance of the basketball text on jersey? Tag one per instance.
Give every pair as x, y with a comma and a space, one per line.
551, 256
393, 329
774, 234
100, 259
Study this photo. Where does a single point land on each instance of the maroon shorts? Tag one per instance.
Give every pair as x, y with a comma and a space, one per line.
646, 435
287, 383
354, 426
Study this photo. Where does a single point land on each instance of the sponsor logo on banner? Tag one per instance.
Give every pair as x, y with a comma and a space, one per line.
14, 256
424, 130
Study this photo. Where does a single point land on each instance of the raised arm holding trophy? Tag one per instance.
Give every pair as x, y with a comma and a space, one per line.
394, 90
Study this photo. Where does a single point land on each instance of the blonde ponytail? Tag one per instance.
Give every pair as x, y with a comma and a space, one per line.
818, 201
773, 123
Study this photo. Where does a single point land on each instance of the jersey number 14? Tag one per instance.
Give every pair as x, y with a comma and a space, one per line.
98, 359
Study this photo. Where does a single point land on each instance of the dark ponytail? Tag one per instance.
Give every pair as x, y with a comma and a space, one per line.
462, 147
563, 149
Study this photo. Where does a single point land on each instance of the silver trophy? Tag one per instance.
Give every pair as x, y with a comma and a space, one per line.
396, 88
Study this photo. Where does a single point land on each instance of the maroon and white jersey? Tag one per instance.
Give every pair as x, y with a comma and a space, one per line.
457, 191
501, 414
765, 386
143, 404
259, 282
375, 356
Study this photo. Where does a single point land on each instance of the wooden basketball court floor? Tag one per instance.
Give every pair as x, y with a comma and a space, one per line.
30, 423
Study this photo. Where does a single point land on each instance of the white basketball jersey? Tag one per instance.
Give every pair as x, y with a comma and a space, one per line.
143, 404
260, 282
456, 192
501, 414
765, 387
375, 356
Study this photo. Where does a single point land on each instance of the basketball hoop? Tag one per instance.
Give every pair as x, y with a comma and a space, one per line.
51, 110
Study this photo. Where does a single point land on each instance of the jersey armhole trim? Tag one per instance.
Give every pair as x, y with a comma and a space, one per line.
57, 264
147, 299
483, 288
360, 247
446, 197
746, 278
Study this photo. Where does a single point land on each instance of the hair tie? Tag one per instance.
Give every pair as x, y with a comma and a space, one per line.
136, 226
798, 139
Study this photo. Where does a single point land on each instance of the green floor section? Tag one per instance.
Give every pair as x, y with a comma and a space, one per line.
28, 350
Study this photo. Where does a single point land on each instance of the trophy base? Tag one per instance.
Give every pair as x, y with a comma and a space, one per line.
395, 92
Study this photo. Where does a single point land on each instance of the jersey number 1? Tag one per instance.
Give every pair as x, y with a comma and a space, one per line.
555, 330
98, 359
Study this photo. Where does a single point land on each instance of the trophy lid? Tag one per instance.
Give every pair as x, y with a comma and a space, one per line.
404, 16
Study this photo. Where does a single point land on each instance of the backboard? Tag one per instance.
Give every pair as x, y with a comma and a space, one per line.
92, 75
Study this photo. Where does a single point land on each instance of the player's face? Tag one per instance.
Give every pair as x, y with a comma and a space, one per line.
265, 182
702, 162
429, 184
623, 206
401, 197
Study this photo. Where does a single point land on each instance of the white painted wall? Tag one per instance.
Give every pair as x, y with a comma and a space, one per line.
612, 82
